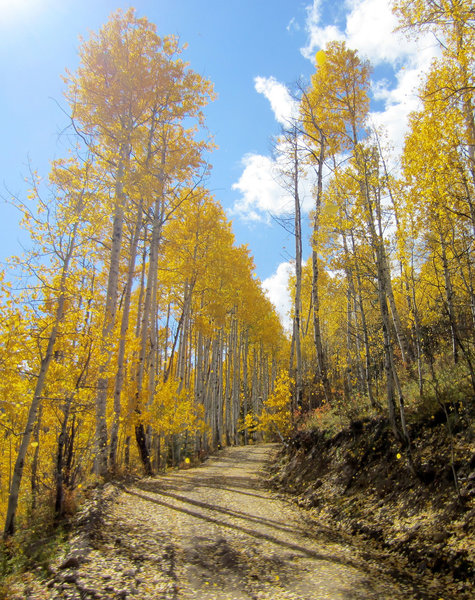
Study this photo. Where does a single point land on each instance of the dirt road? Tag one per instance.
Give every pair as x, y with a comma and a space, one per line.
215, 533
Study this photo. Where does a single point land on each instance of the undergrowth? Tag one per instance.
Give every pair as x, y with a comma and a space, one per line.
38, 540
447, 396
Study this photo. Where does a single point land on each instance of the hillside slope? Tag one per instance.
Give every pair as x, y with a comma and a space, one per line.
359, 481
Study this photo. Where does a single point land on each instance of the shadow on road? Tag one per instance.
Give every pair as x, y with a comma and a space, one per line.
299, 549
218, 509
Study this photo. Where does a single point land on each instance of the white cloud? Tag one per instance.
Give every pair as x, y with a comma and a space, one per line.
319, 35
276, 289
369, 28
262, 185
293, 25
319, 38
283, 105
261, 193
403, 97
399, 102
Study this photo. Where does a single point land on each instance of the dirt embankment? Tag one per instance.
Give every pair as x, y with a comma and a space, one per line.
359, 482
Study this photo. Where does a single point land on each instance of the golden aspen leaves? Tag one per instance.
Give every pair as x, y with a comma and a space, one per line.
320, 58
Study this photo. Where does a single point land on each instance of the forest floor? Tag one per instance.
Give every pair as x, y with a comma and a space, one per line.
214, 532
358, 482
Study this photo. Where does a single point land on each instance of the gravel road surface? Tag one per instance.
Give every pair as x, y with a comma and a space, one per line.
215, 532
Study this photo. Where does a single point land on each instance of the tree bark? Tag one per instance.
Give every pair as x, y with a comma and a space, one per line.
100, 463
317, 331
124, 326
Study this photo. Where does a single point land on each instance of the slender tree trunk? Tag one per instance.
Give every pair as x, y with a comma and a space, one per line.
228, 386
169, 368
369, 389
404, 346
450, 308
59, 500
31, 420
100, 463
146, 324
124, 326
34, 464
69, 452
219, 388
206, 389
254, 389
245, 384
298, 271
236, 382
449, 299
382, 278
317, 331
388, 359
185, 334
407, 353
350, 334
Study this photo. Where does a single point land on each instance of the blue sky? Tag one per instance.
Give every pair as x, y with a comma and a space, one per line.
252, 50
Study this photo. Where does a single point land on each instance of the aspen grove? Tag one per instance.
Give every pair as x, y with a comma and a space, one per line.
388, 291
139, 336
142, 335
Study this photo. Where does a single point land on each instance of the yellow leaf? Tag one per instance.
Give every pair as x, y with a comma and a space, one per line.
320, 58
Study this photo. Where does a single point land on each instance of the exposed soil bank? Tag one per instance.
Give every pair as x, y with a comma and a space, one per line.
359, 482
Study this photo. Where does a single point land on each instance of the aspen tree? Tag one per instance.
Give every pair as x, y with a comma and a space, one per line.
339, 100
124, 326
128, 100
291, 171
444, 213
65, 236
333, 111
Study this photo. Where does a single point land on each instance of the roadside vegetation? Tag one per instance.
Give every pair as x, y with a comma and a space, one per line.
137, 336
